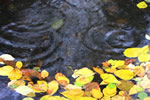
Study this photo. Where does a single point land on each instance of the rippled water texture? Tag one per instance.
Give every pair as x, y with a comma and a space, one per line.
91, 31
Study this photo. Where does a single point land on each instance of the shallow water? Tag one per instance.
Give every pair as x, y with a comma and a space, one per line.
91, 31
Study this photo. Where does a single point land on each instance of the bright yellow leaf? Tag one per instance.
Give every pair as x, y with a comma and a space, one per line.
5, 70
84, 80
43, 85
142, 5
15, 74
118, 97
84, 98
28, 98
147, 98
109, 91
48, 97
73, 94
132, 52
44, 74
52, 87
109, 78
98, 70
96, 93
133, 90
144, 57
83, 72
124, 74
19, 64
24, 90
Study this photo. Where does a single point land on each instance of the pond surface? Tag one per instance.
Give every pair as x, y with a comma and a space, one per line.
61, 35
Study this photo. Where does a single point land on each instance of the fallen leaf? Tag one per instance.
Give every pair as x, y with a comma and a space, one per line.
62, 79
110, 90
130, 52
129, 61
52, 87
5, 70
125, 85
19, 64
24, 90
30, 72
124, 74
48, 97
90, 86
57, 24
28, 98
15, 74
84, 80
142, 95
109, 78
6, 57
142, 5
98, 70
44, 74
118, 97
96, 93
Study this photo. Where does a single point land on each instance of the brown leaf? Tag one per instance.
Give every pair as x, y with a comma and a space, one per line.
30, 72
125, 85
90, 86
105, 64
128, 61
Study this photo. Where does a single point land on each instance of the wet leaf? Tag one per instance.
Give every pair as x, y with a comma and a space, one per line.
62, 79
125, 85
142, 95
71, 86
124, 74
142, 5
129, 61
44, 74
48, 97
133, 90
5, 70
90, 86
147, 98
6, 57
144, 57
73, 94
57, 24
140, 71
15, 83
19, 64
109, 78
52, 87
98, 70
105, 64
30, 72
109, 91
118, 97
130, 52
28, 98
84, 80
84, 98
96, 93
83, 72
24, 90
15, 74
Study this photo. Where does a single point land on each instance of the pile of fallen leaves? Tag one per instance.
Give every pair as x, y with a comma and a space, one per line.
127, 79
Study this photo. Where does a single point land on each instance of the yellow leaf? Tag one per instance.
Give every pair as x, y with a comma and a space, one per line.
5, 70
52, 87
142, 5
19, 64
109, 78
42, 85
132, 52
15, 74
16, 83
96, 93
83, 72
73, 94
48, 97
147, 98
133, 90
44, 74
118, 97
62, 79
144, 57
84, 80
71, 86
124, 74
24, 90
109, 91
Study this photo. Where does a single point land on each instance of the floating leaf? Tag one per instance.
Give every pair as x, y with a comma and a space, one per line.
90, 86
48, 97
140, 71
15, 74
133, 90
19, 64
147, 98
125, 85
144, 57
62, 79
28, 98
5, 70
73, 94
57, 24
109, 91
84, 80
98, 70
83, 72
124, 74
129, 61
96, 93
105, 64
15, 83
84, 98
52, 87
30, 72
24, 90
142, 95
44, 74
109, 78
6, 57
118, 97
130, 52
142, 5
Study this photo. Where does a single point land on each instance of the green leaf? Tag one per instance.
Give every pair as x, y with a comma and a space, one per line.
142, 95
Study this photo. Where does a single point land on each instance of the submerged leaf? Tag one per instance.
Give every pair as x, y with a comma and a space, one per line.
57, 24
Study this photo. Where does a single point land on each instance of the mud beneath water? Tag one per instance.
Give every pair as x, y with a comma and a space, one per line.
89, 31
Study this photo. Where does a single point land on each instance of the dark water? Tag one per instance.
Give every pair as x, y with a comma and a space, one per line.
91, 31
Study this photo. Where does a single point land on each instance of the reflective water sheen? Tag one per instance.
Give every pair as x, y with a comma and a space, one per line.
91, 31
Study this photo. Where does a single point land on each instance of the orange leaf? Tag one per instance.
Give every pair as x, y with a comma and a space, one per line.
105, 64
62, 79
98, 70
30, 72
15, 74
